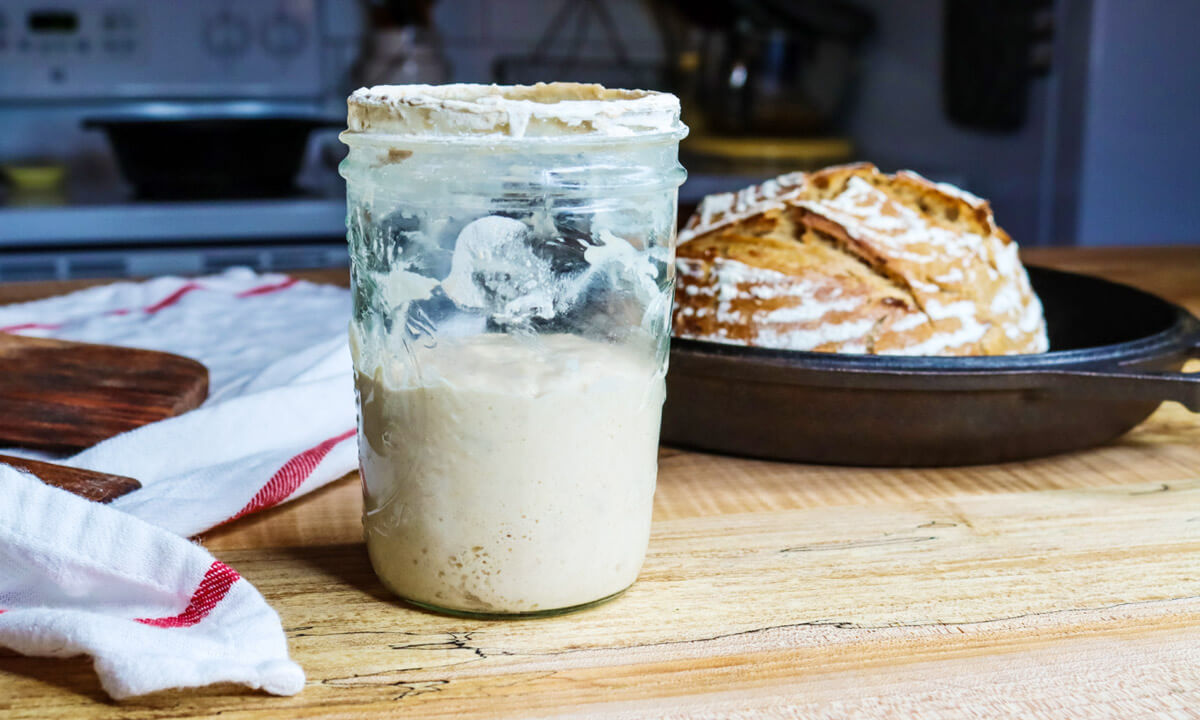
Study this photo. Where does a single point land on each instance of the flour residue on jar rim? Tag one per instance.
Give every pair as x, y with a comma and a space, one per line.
469, 111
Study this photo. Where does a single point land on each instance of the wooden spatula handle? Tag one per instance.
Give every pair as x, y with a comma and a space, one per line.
97, 486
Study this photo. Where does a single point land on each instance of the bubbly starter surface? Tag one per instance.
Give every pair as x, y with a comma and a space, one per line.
515, 474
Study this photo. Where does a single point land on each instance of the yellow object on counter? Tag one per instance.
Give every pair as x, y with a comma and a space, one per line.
35, 178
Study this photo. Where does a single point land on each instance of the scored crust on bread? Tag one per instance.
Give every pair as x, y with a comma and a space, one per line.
849, 259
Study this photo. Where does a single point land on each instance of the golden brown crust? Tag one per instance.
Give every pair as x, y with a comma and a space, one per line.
849, 259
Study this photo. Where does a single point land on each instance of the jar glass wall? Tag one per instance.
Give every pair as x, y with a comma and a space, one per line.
512, 298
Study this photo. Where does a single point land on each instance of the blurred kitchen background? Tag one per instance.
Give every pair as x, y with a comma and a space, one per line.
141, 137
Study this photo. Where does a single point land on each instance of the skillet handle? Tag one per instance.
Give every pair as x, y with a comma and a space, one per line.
1183, 388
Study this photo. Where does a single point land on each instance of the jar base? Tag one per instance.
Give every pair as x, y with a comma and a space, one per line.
533, 614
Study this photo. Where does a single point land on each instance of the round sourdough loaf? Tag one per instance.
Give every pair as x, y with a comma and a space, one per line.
849, 259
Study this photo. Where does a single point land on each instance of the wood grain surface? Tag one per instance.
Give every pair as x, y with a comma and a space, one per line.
66, 396
95, 486
1061, 587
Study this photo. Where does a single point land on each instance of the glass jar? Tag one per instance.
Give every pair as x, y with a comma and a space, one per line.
512, 260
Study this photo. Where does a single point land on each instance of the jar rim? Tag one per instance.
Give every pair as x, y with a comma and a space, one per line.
545, 142
490, 114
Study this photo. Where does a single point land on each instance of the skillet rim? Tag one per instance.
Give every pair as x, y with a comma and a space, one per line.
1180, 339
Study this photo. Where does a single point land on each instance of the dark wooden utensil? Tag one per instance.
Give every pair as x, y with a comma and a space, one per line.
97, 486
66, 396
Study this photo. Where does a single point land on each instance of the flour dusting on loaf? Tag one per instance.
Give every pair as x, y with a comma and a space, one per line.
849, 259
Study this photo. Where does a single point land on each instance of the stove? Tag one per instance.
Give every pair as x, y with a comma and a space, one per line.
66, 210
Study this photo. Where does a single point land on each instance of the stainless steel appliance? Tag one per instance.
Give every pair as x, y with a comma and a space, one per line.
64, 61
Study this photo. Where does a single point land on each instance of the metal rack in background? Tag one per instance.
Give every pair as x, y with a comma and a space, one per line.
617, 69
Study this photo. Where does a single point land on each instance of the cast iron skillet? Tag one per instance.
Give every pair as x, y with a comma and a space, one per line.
1116, 352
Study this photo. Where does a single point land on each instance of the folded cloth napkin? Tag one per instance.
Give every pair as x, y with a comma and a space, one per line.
154, 610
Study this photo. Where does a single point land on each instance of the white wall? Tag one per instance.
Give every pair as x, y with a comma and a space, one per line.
898, 120
1140, 166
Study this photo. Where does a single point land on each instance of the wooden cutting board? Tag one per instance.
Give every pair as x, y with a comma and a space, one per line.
65, 396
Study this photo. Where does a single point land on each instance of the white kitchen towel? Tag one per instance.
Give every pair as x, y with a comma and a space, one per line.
278, 423
152, 609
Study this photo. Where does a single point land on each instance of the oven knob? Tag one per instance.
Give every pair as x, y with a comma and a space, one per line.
283, 36
227, 34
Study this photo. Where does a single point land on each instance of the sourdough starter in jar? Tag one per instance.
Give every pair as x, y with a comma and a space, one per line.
512, 256
530, 473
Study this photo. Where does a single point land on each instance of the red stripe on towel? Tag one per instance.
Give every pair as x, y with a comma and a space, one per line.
173, 298
30, 326
291, 476
212, 590
267, 289
166, 302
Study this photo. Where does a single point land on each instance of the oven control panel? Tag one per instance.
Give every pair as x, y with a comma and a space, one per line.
75, 49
